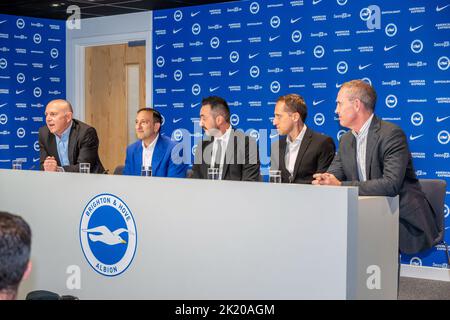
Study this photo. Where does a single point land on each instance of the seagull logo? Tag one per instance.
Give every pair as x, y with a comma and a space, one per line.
412, 29
441, 8
103, 234
438, 119
360, 67
412, 138
389, 48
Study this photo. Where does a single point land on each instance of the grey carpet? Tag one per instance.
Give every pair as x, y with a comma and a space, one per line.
421, 289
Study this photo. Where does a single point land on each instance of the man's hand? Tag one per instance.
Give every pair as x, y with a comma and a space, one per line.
50, 164
326, 179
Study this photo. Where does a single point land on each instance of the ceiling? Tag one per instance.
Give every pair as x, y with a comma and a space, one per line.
56, 9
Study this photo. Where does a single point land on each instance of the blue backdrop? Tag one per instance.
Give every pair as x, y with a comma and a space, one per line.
32, 72
251, 52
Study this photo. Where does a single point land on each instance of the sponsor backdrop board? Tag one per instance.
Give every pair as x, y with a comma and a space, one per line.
32, 72
251, 52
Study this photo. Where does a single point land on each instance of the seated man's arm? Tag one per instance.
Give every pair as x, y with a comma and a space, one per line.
251, 167
395, 160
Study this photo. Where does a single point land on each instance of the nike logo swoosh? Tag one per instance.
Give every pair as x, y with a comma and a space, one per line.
176, 31
193, 105
441, 8
316, 2
412, 138
4, 104
315, 103
19, 91
441, 119
251, 56
3, 21
176, 120
230, 73
360, 67
35, 159
53, 66
213, 89
193, 14
274, 38
412, 29
36, 79
295, 20
159, 47
338, 85
389, 48
273, 136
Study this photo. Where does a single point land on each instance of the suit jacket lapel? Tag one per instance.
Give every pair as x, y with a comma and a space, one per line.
306, 141
158, 153
206, 158
53, 150
72, 142
352, 160
372, 139
229, 153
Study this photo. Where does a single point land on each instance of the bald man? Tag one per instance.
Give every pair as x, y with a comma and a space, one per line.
66, 142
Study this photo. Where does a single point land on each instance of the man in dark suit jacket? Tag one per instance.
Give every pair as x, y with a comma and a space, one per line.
232, 152
374, 156
302, 152
65, 142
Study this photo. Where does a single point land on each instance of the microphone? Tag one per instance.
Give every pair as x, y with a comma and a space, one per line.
47, 295
291, 178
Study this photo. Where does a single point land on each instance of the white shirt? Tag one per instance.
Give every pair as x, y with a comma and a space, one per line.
292, 149
223, 140
147, 152
361, 146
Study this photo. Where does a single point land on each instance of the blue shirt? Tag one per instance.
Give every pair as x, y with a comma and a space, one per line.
62, 144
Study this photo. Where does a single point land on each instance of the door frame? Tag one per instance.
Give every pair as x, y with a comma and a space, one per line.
76, 64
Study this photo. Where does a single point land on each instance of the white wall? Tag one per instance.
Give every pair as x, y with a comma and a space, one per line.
103, 31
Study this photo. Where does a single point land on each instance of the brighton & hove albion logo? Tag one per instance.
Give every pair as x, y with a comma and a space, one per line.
108, 235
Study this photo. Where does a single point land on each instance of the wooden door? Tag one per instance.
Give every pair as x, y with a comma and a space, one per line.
115, 89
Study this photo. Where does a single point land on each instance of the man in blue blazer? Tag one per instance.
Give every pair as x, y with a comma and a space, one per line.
152, 149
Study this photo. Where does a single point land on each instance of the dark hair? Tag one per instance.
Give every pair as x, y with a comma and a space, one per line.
157, 117
295, 103
15, 247
359, 89
218, 106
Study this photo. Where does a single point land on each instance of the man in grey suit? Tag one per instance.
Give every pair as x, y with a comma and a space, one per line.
234, 154
374, 156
